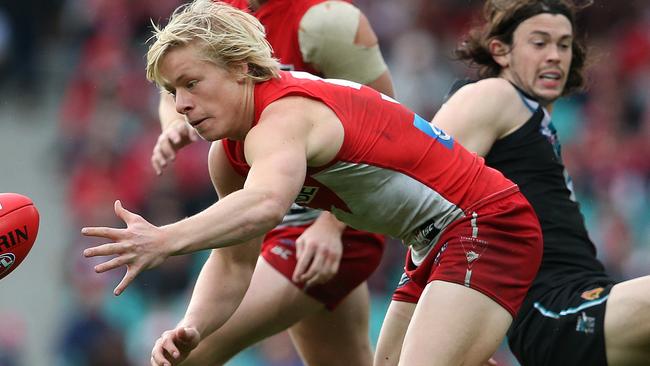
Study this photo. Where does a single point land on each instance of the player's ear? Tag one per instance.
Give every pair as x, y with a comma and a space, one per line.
241, 70
499, 51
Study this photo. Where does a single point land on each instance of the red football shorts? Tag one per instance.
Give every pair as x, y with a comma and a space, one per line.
362, 253
495, 249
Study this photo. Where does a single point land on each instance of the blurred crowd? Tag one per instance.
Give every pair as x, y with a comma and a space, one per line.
108, 125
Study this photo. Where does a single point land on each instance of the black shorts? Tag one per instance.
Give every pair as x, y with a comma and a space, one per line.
564, 327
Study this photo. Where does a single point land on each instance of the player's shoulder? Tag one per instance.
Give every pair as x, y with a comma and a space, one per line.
326, 16
492, 101
493, 96
497, 90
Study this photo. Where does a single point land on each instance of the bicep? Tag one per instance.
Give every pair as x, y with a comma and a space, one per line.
279, 169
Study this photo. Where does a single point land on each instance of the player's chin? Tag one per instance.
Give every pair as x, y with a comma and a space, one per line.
548, 96
207, 134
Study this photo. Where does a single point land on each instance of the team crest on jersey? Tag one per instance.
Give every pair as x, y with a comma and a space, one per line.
433, 131
306, 194
592, 294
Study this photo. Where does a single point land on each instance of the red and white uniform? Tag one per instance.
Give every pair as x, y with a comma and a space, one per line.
362, 251
396, 174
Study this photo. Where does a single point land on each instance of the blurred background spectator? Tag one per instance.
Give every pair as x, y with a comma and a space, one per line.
78, 121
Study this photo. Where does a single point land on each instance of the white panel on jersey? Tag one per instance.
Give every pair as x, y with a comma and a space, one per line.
388, 202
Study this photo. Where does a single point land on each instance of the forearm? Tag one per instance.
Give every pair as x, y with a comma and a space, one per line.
238, 217
220, 287
167, 111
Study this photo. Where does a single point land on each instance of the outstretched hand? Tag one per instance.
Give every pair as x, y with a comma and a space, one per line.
176, 136
140, 246
318, 251
174, 346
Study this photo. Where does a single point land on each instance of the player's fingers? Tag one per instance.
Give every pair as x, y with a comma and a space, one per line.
102, 250
332, 264
302, 263
313, 280
124, 214
300, 244
174, 134
112, 264
155, 164
158, 163
315, 268
103, 232
188, 339
157, 358
194, 136
126, 281
166, 149
169, 347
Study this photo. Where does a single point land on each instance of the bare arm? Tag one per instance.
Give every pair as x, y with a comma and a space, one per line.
338, 40
176, 134
277, 155
366, 37
478, 114
222, 283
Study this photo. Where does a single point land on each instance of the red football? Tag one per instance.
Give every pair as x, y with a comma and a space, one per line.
18, 229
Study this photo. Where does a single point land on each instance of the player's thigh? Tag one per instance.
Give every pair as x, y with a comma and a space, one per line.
627, 323
454, 325
271, 305
393, 330
337, 337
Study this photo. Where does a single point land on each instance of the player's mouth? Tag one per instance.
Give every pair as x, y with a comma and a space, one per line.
197, 122
551, 79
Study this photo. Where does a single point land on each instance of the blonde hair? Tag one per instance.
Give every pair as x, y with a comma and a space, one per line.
224, 35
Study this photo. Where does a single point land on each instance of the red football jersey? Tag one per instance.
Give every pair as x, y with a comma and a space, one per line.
281, 20
395, 173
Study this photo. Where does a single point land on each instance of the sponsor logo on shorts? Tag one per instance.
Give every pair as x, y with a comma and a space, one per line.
592, 294
585, 324
281, 252
306, 195
425, 234
471, 256
473, 248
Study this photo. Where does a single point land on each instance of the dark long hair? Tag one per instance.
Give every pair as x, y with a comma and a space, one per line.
501, 19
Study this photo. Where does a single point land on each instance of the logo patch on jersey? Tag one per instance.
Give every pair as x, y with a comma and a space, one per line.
306, 194
585, 324
592, 294
433, 131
